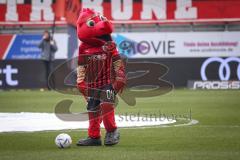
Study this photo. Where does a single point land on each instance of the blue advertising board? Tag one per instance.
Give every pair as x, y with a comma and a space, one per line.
25, 47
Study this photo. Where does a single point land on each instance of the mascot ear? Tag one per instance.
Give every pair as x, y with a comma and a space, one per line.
87, 10
84, 14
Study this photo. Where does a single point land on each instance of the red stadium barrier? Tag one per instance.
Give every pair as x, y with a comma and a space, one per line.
137, 12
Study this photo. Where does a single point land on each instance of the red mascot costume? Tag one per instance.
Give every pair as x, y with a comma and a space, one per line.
100, 76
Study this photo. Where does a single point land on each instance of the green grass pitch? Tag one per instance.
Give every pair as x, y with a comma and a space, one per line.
215, 137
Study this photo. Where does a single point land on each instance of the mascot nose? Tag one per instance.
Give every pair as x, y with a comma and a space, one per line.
105, 27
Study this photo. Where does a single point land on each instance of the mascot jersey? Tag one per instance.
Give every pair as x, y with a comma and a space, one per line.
99, 61
99, 67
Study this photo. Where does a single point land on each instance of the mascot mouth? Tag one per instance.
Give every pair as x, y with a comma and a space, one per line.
105, 37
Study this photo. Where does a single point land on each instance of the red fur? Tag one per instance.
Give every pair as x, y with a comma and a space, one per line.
89, 34
91, 43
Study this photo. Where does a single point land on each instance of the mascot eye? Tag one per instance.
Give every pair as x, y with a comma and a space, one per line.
103, 18
90, 23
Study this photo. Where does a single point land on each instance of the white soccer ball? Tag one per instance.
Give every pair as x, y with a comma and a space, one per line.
63, 140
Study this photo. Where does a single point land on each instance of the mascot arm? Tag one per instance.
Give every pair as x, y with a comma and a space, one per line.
81, 72
119, 69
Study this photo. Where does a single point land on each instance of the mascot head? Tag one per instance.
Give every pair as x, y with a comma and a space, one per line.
93, 28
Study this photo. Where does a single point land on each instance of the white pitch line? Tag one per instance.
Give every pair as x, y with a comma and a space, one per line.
30, 122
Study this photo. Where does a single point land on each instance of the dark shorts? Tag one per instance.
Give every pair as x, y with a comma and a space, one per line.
106, 94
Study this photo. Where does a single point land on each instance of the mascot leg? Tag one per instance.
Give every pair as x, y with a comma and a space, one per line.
108, 117
94, 124
112, 135
95, 119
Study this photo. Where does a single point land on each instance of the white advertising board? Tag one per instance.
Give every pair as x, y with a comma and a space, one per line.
177, 45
